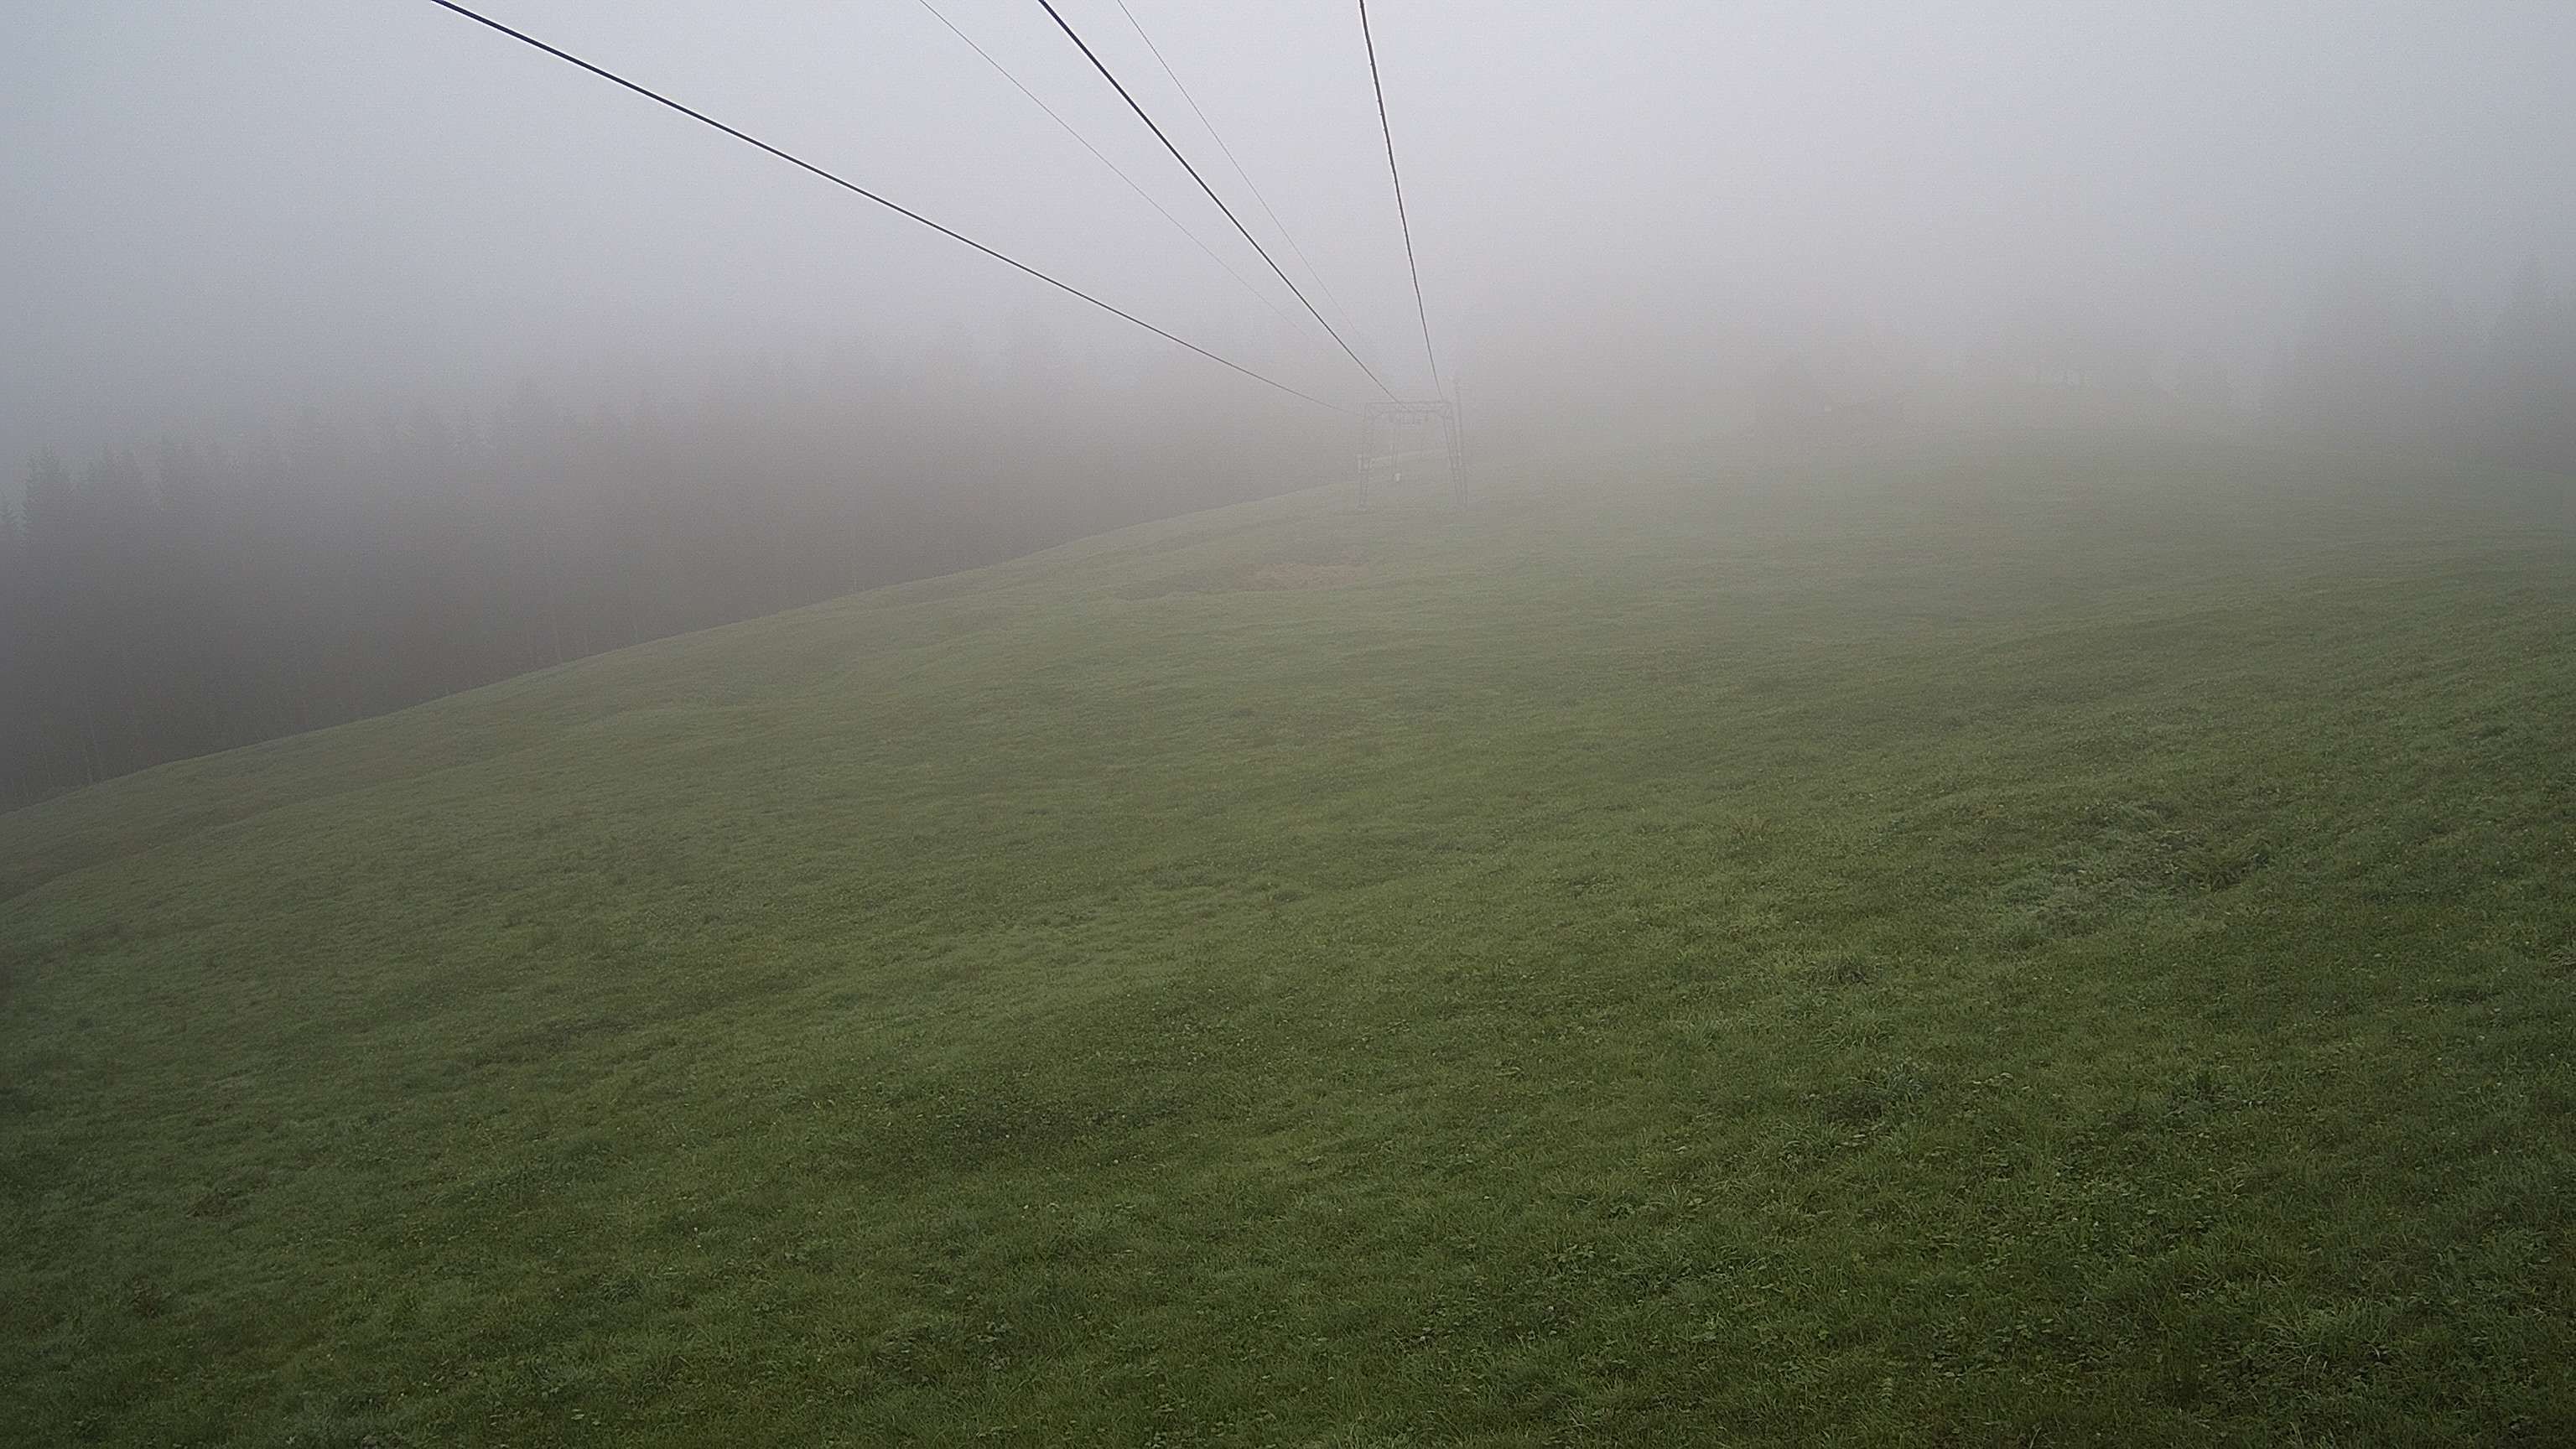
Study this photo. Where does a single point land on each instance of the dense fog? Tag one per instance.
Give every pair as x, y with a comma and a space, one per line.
359, 353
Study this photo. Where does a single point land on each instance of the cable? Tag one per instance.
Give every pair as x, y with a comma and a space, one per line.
700, 116
1326, 287
1262, 297
1049, 6
1419, 310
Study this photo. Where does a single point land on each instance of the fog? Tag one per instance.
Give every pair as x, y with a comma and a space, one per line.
234, 223
222, 212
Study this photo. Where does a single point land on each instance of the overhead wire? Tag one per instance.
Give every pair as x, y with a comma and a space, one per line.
1115, 170
1219, 138
854, 188
1115, 84
1419, 309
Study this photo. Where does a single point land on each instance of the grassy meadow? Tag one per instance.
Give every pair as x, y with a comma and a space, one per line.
2007, 944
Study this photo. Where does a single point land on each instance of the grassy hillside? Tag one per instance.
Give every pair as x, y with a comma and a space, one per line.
2057, 947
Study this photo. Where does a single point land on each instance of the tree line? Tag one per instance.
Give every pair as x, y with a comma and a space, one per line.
2382, 362
199, 594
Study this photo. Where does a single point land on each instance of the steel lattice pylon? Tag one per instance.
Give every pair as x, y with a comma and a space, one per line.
1382, 430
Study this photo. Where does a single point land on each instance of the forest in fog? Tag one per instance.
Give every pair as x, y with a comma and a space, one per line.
194, 593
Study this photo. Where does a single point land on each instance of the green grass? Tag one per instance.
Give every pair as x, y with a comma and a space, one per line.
2047, 946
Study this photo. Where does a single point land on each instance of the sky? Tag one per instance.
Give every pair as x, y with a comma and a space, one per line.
218, 211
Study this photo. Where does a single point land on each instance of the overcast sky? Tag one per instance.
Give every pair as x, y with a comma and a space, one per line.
219, 208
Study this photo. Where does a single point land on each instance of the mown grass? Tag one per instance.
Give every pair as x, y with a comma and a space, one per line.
2045, 946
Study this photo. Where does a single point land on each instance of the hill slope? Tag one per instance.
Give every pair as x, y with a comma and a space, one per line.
2046, 947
